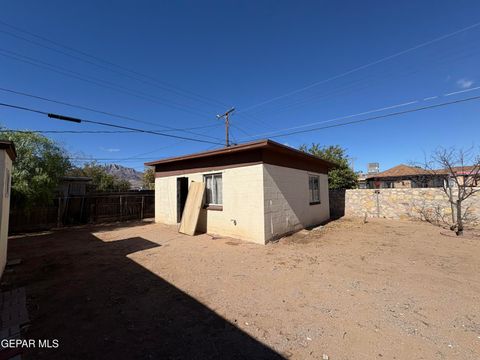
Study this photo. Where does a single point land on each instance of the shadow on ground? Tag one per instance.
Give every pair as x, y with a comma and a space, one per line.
102, 305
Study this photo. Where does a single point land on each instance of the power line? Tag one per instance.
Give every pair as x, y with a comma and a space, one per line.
378, 117
187, 130
383, 108
103, 132
99, 82
350, 87
98, 65
79, 120
157, 82
342, 118
241, 130
363, 66
133, 157
62, 117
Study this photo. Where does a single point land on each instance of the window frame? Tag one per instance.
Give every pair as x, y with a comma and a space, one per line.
208, 205
311, 195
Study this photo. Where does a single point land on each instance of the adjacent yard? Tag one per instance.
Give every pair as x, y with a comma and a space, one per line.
384, 289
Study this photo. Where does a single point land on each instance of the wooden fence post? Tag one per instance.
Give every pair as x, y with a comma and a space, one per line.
120, 207
143, 204
59, 212
81, 209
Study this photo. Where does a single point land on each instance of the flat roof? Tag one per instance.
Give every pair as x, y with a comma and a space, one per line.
259, 144
9, 147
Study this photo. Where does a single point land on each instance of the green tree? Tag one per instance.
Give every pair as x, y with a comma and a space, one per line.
341, 177
40, 165
122, 185
149, 178
101, 180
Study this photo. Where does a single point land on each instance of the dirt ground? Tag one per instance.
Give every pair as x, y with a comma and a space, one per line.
384, 289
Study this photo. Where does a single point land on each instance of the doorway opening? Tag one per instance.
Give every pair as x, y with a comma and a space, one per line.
182, 192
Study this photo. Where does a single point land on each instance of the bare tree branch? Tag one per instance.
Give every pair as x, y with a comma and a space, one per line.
460, 170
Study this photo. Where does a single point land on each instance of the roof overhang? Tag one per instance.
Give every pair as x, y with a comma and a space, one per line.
263, 151
9, 147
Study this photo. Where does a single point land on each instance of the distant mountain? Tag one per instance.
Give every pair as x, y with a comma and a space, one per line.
133, 176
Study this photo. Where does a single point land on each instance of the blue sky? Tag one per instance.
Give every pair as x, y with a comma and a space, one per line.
201, 58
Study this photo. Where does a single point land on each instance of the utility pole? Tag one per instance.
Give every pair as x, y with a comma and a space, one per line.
352, 162
227, 124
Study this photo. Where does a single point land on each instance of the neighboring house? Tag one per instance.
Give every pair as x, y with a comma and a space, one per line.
372, 169
74, 185
468, 173
256, 191
404, 176
7, 156
362, 180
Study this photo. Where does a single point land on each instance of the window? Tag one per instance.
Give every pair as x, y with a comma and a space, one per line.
214, 191
314, 189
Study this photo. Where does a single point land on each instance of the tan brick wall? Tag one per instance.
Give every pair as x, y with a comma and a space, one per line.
400, 203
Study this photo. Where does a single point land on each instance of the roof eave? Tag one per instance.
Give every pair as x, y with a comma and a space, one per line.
266, 143
9, 147
225, 150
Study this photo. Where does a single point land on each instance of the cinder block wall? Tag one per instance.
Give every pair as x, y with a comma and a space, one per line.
286, 200
399, 203
260, 202
242, 213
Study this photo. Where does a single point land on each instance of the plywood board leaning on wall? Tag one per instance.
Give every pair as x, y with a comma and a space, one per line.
193, 205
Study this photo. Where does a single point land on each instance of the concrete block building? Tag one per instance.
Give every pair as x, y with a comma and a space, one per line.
7, 156
256, 191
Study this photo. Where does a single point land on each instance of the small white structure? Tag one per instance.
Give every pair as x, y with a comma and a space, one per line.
7, 156
256, 191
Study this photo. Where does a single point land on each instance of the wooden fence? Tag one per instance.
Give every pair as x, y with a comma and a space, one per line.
89, 209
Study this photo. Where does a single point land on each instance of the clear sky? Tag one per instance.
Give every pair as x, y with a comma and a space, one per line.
282, 64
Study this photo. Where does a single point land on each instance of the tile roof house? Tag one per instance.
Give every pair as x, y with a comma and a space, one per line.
404, 176
256, 191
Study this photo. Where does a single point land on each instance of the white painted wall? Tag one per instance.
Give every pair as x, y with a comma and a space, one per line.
260, 202
286, 201
242, 214
5, 175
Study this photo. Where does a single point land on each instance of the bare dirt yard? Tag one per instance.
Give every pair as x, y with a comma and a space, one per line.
384, 289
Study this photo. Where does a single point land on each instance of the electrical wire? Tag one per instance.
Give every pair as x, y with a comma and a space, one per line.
102, 132
383, 108
378, 117
79, 120
157, 82
99, 82
168, 128
358, 85
364, 66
